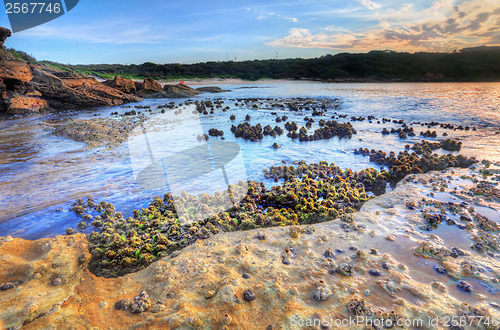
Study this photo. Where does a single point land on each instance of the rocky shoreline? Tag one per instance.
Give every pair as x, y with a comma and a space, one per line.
28, 86
240, 279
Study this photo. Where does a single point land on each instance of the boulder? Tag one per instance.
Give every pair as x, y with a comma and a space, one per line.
138, 85
179, 91
4, 34
211, 89
151, 85
147, 87
122, 84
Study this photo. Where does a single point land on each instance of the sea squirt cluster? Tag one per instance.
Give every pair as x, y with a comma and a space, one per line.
411, 163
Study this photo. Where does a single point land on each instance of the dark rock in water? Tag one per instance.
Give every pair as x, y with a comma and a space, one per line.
465, 218
211, 89
286, 261
141, 303
456, 252
178, 91
375, 272
464, 286
374, 252
248, 295
478, 246
215, 132
123, 305
246, 276
385, 265
440, 269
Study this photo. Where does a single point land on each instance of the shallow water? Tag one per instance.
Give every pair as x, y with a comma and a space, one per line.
41, 174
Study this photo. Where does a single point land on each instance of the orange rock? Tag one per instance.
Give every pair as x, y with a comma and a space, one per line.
122, 84
27, 104
15, 70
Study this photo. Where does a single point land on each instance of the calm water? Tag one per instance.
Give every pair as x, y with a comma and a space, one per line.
41, 174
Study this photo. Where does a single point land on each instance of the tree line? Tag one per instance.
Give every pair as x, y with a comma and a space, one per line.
470, 64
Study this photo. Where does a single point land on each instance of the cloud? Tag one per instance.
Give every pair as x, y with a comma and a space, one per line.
370, 4
443, 26
333, 28
264, 15
122, 33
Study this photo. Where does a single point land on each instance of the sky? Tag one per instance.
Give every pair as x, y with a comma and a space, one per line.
191, 31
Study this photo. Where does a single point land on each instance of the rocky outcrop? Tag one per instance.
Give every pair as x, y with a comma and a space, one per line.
38, 277
78, 82
34, 87
27, 104
14, 72
211, 89
272, 278
60, 96
148, 87
4, 34
179, 91
122, 84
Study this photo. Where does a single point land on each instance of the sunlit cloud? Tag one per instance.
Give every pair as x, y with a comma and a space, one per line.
445, 26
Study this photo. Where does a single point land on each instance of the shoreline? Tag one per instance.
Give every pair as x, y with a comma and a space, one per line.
216, 274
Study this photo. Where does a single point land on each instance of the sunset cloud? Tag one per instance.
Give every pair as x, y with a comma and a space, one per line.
445, 26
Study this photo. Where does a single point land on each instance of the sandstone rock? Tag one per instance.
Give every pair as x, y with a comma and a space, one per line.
33, 298
26, 104
122, 84
14, 72
78, 82
147, 87
60, 96
151, 85
4, 34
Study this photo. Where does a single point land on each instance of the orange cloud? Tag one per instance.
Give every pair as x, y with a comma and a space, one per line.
442, 27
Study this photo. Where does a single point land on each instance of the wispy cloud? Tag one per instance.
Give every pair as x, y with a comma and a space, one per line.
370, 4
264, 15
444, 26
125, 33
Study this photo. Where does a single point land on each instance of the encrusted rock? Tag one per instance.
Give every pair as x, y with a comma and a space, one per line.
141, 303
248, 295
322, 292
123, 305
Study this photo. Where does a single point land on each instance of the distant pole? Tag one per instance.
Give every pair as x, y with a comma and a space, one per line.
276, 55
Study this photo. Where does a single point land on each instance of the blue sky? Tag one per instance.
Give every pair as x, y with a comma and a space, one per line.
133, 31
